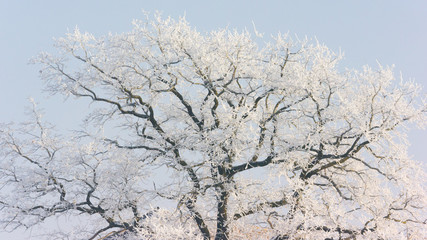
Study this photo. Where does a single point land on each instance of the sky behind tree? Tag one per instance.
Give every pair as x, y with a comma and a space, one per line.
390, 32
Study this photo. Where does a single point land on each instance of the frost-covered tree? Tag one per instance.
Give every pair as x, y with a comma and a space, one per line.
202, 136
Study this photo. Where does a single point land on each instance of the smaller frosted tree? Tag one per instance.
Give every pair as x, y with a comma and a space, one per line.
221, 137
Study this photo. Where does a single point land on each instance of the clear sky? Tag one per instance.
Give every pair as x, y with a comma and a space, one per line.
391, 32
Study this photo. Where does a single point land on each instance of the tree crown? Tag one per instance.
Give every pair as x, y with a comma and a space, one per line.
232, 134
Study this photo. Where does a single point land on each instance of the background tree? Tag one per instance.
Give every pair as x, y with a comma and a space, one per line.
241, 140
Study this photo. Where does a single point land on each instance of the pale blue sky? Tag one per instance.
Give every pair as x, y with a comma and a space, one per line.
392, 32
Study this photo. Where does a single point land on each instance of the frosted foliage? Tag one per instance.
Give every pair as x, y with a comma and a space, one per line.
209, 135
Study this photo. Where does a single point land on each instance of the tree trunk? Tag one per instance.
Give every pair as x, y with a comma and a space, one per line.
222, 224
